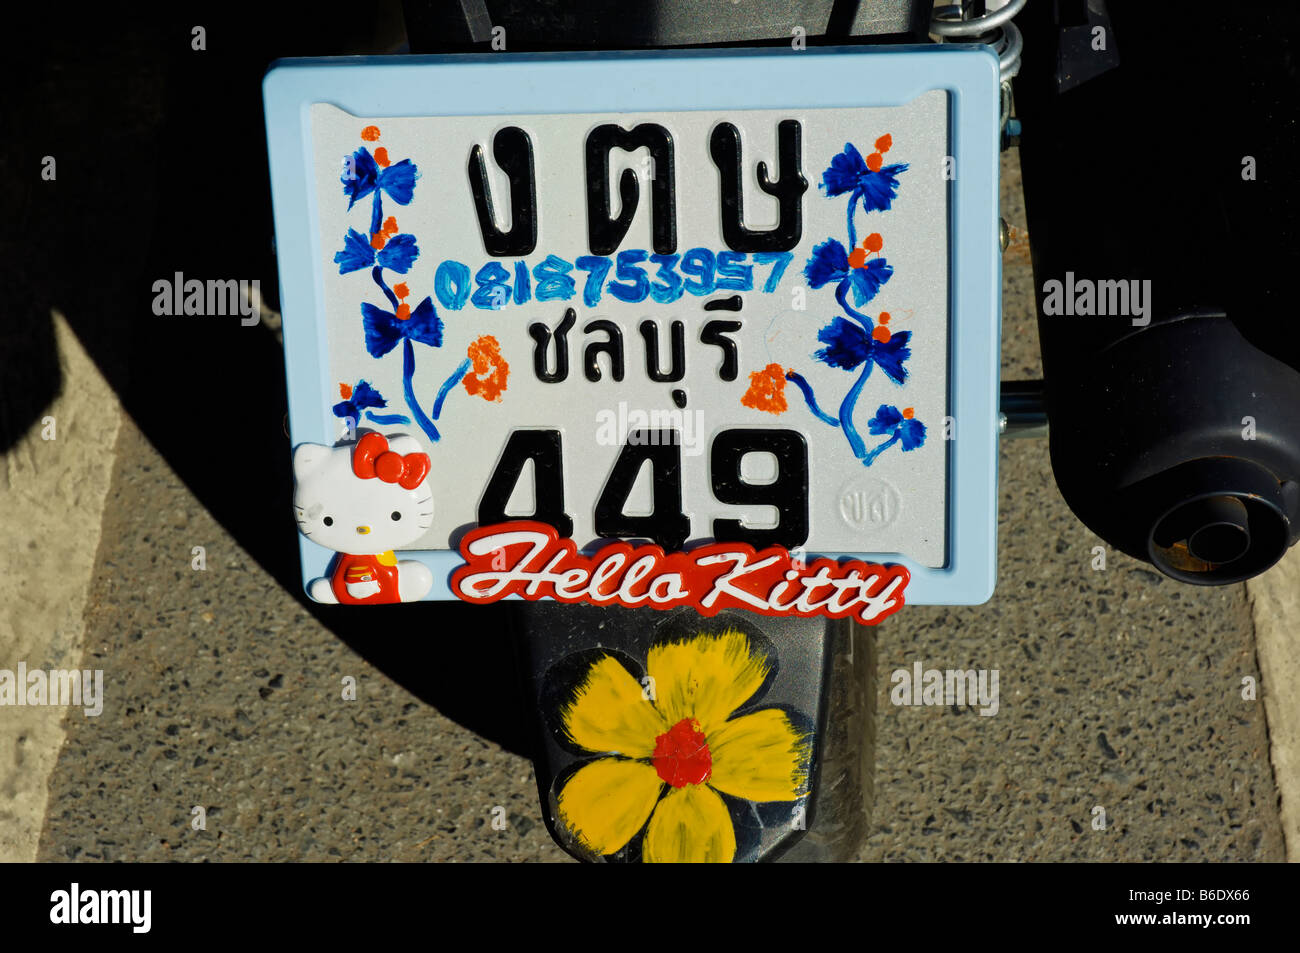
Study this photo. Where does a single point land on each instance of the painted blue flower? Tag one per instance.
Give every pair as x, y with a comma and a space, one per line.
384, 329
876, 190
358, 399
363, 176
899, 425
398, 253
367, 175
866, 180
855, 343
830, 263
849, 345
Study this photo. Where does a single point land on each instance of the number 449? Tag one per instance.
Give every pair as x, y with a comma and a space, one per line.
666, 524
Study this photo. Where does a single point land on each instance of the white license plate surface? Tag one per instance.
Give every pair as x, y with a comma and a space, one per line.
774, 371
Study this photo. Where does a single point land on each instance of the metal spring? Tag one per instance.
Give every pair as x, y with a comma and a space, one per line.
995, 29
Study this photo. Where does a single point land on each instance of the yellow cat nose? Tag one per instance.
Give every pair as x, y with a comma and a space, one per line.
363, 530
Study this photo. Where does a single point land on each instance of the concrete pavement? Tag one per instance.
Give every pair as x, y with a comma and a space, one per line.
225, 691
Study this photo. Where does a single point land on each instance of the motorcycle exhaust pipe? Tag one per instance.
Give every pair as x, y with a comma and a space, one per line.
1164, 227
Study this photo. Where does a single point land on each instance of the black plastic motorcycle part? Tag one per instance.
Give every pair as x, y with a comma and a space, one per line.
1178, 440
437, 26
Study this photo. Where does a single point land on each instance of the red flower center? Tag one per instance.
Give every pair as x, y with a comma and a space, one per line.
682, 754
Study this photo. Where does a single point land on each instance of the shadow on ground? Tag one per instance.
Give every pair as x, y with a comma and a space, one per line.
161, 169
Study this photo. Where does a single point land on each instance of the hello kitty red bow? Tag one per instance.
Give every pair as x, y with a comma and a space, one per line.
372, 458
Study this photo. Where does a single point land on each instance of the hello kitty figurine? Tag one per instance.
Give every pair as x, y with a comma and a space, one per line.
365, 501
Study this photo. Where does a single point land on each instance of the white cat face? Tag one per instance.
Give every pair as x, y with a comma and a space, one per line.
344, 512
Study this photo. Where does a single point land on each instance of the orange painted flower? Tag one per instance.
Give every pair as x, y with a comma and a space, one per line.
875, 160
370, 133
670, 752
380, 238
881, 332
489, 371
767, 390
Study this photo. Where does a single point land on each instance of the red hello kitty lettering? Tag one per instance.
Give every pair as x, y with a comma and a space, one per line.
530, 560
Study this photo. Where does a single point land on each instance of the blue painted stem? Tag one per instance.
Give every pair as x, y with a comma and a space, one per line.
841, 295
853, 234
387, 419
802, 383
408, 375
876, 451
408, 372
447, 385
846, 412
377, 273
376, 212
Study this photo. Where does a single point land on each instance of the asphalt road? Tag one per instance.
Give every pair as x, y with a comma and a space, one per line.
1120, 690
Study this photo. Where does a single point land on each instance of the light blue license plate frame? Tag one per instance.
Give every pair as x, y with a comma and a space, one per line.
739, 79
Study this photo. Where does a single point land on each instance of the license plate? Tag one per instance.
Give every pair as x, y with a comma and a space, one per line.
550, 318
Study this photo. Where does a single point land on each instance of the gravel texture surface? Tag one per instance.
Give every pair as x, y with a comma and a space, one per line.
1120, 690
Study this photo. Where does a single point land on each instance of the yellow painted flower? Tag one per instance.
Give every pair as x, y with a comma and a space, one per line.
676, 749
